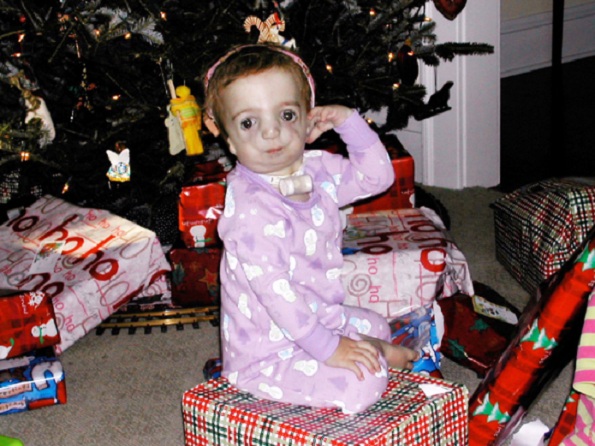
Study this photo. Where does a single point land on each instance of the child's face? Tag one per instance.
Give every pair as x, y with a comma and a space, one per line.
266, 122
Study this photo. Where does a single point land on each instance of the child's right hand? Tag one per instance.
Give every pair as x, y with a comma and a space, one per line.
350, 354
324, 118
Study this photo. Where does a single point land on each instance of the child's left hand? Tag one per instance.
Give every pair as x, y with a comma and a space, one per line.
324, 118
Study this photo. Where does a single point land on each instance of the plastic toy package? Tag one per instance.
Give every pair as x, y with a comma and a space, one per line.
31, 382
417, 331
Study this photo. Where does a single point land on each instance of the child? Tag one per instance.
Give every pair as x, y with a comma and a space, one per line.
286, 334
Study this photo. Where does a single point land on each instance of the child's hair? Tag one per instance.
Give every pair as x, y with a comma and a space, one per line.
246, 60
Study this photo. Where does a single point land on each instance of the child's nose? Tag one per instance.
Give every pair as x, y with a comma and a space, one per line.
270, 129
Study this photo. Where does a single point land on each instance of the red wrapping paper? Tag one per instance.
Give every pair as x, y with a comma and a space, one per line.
471, 339
27, 322
195, 276
546, 333
400, 195
567, 420
200, 207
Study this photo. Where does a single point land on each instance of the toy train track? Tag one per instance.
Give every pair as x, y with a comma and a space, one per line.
162, 319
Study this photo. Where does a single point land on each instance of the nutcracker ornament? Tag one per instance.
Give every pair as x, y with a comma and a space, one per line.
185, 108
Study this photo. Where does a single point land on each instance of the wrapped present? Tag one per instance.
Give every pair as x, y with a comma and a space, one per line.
27, 322
200, 207
30, 382
209, 171
195, 276
576, 424
89, 262
545, 341
401, 260
478, 328
414, 409
539, 226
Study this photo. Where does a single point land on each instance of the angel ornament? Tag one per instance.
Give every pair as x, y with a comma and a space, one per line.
269, 30
119, 171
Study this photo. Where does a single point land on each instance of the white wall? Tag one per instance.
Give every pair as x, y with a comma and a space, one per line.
461, 147
514, 9
526, 35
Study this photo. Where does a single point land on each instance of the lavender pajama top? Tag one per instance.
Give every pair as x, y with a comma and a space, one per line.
282, 311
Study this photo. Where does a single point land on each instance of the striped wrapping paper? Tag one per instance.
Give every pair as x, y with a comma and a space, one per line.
216, 413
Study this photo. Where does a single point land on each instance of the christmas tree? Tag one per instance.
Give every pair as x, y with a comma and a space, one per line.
81, 78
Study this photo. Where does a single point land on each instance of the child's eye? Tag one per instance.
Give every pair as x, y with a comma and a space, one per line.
246, 124
289, 115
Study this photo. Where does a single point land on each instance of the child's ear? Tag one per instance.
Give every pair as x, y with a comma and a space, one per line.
232, 148
211, 125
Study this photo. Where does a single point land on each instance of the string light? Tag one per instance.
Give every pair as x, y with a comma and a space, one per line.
127, 36
116, 97
17, 54
329, 68
66, 186
25, 156
372, 12
21, 37
163, 15
391, 56
396, 86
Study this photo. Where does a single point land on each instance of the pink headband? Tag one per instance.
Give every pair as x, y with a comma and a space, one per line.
279, 49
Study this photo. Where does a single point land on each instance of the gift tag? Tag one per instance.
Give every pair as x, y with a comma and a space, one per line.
46, 258
430, 390
486, 308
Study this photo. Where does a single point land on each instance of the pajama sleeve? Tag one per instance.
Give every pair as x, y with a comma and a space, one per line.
368, 170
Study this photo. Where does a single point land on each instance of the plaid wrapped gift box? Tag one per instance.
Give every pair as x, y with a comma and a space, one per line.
539, 226
217, 413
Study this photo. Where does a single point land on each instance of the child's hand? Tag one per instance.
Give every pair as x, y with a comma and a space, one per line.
321, 119
350, 353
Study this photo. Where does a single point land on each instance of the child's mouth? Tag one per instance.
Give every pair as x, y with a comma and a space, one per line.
273, 151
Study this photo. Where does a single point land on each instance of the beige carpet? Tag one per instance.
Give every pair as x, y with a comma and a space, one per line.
126, 390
